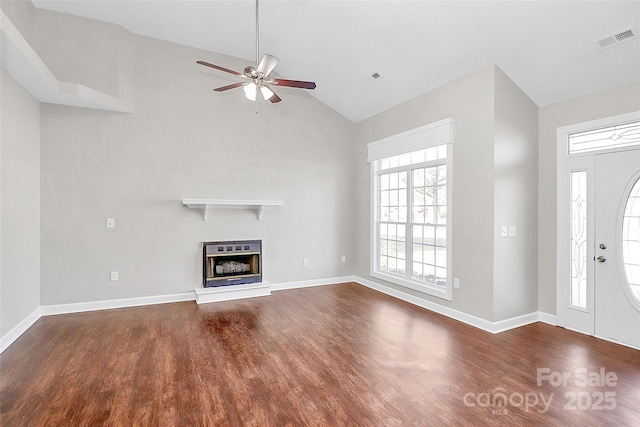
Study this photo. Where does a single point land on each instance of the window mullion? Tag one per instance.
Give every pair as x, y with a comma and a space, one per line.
408, 244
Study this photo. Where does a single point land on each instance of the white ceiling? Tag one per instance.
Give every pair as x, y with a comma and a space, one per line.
547, 47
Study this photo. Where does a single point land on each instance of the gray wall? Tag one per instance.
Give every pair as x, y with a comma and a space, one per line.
20, 204
470, 102
609, 103
515, 287
96, 59
79, 167
22, 16
186, 141
494, 181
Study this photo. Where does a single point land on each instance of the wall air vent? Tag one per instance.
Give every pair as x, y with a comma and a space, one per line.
617, 37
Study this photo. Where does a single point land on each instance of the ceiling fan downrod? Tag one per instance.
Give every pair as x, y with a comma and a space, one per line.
257, 33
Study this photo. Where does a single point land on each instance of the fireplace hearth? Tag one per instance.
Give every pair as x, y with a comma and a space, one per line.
231, 263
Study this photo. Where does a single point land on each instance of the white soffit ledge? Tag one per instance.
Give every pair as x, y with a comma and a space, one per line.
23, 64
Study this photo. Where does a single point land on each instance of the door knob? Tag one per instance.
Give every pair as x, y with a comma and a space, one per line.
601, 259
603, 246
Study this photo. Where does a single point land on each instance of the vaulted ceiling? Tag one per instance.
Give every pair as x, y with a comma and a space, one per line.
548, 48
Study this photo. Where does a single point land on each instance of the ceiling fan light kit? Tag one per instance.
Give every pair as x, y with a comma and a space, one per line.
258, 77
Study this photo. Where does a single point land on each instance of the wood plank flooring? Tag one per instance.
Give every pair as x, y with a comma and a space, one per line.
341, 355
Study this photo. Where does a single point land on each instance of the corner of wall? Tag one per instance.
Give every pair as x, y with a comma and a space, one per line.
516, 202
20, 207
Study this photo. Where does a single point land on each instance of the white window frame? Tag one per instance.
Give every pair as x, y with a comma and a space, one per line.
431, 135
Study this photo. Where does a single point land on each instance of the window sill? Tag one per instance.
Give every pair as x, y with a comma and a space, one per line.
440, 292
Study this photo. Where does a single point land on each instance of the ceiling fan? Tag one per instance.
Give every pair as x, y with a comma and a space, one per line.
257, 78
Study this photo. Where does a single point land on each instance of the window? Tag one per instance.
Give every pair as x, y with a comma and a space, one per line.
578, 232
631, 241
624, 135
410, 215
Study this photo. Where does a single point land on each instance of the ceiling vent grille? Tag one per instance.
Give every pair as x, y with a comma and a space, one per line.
618, 37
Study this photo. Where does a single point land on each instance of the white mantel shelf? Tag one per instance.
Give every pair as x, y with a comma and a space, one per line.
207, 204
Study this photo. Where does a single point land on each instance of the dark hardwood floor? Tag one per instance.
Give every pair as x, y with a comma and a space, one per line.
341, 355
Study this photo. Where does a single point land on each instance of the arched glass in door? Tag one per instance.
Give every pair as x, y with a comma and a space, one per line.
631, 242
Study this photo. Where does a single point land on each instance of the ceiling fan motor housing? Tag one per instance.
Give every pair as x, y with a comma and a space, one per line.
250, 71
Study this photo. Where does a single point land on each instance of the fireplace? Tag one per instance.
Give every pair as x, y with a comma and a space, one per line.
231, 263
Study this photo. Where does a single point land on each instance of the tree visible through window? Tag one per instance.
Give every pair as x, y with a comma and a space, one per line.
411, 223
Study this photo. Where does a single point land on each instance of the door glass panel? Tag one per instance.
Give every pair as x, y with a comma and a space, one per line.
579, 239
631, 240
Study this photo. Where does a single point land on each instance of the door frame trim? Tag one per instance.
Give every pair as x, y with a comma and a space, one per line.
565, 164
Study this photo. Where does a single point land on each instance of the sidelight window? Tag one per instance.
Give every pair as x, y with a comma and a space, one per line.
579, 239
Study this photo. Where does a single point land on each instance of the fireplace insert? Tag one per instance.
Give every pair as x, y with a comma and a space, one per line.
231, 263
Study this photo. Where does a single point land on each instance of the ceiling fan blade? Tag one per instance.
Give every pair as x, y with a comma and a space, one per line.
293, 83
274, 98
217, 67
267, 64
231, 86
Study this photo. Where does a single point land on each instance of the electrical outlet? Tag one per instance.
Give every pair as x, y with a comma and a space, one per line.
305, 261
512, 231
344, 258
111, 223
114, 276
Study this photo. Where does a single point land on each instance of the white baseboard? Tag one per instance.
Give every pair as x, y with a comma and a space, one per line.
80, 307
485, 325
493, 327
547, 318
7, 339
48, 310
617, 342
308, 283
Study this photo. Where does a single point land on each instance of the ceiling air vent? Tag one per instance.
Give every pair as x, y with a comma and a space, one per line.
618, 37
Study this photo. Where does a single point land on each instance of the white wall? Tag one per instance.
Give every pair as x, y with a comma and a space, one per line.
20, 204
599, 105
186, 141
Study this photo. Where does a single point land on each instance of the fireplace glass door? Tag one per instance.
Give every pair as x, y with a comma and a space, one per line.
231, 263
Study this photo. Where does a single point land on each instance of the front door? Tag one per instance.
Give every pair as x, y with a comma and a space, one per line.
617, 247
